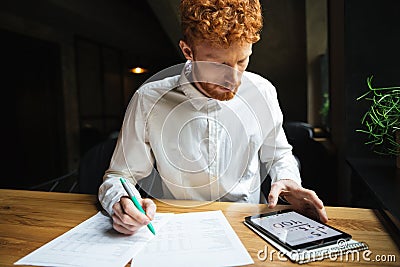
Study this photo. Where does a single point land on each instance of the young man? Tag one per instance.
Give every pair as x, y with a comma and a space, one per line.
210, 128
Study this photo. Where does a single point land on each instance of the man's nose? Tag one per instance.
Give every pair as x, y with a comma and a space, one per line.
232, 76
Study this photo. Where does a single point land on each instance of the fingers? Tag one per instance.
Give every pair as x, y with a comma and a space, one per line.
315, 212
123, 228
127, 219
131, 211
122, 222
298, 196
276, 189
312, 197
323, 217
279, 187
317, 203
289, 187
149, 207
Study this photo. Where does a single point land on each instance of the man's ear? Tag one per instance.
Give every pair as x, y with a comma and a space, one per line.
186, 50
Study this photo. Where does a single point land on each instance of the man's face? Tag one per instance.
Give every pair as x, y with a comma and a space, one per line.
217, 71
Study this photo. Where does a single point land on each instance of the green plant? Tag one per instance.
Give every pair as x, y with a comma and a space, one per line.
382, 120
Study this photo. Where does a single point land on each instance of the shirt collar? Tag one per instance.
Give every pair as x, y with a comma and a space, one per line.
196, 98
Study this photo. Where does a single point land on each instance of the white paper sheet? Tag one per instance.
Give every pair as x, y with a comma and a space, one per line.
93, 243
194, 239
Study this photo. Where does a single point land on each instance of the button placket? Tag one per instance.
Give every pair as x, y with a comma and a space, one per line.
213, 149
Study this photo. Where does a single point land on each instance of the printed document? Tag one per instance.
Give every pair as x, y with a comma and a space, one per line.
194, 239
93, 243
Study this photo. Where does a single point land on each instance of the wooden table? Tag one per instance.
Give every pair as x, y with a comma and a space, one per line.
30, 219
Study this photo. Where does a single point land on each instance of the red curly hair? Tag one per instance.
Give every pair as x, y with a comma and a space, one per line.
221, 22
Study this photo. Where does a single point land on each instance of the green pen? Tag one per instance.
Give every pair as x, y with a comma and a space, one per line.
136, 202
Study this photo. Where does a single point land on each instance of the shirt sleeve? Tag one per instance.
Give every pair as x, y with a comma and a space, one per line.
132, 158
276, 153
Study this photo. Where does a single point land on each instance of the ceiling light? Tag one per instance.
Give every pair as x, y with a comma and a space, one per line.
138, 70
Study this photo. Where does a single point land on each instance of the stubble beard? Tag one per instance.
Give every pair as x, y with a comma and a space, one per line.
211, 92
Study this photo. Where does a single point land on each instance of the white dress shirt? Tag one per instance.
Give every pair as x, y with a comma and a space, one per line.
203, 149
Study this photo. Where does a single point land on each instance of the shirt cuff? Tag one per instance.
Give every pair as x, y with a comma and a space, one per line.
111, 191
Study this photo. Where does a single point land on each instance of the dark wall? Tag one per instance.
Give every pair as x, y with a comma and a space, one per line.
128, 25
372, 41
56, 92
280, 55
31, 82
363, 41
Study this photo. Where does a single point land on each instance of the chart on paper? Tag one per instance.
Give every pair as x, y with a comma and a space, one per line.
201, 238
93, 243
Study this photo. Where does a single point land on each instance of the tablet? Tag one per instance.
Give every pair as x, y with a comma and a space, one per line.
293, 230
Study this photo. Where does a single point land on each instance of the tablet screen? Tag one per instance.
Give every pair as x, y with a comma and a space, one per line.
295, 229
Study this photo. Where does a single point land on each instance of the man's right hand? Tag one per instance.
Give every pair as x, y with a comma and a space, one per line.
127, 219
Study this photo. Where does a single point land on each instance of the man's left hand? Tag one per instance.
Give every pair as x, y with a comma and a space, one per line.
303, 200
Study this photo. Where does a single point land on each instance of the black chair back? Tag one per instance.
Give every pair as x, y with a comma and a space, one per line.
97, 160
93, 166
317, 162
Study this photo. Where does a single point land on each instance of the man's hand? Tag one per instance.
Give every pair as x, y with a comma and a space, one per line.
303, 200
127, 219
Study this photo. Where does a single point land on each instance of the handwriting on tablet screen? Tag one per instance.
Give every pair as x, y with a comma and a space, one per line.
297, 225
294, 229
